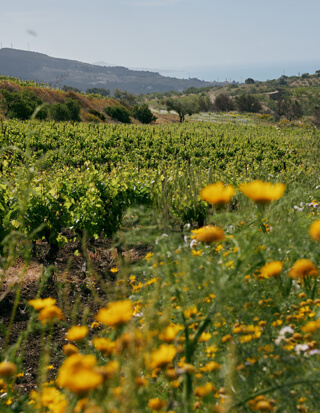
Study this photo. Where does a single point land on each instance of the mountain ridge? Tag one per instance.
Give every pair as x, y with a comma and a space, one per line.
58, 72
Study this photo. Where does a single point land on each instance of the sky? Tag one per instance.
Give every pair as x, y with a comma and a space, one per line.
166, 34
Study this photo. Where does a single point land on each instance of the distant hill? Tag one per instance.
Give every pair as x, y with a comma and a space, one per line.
56, 72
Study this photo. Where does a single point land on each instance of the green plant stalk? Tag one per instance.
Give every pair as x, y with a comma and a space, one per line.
45, 355
13, 314
272, 388
190, 347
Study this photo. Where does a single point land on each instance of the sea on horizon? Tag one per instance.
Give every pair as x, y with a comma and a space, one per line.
240, 72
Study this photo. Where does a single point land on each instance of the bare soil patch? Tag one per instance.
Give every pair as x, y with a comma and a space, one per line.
71, 289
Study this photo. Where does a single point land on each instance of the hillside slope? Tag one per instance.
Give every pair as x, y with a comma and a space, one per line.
58, 72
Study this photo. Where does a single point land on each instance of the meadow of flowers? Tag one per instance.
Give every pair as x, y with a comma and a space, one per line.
223, 316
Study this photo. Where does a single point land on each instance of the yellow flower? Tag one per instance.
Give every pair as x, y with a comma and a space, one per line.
190, 311
70, 349
209, 233
53, 399
204, 337
218, 193
109, 370
212, 365
262, 192
303, 268
170, 333
114, 270
271, 269
148, 256
76, 333
162, 356
7, 369
40, 303
117, 313
105, 345
51, 314
77, 374
202, 391
314, 230
311, 327
263, 406
156, 404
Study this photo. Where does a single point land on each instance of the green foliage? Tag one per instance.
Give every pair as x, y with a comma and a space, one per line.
211, 303
66, 88
249, 81
292, 109
248, 103
223, 103
59, 112
21, 105
73, 107
68, 111
124, 97
98, 91
119, 113
97, 114
143, 114
316, 115
205, 104
183, 106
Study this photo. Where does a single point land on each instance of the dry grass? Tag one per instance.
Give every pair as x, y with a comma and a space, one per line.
19, 273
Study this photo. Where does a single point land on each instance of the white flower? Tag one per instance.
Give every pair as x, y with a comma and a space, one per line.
192, 243
285, 330
301, 347
282, 334
297, 208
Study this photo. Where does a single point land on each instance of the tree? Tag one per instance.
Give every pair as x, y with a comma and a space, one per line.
316, 115
119, 113
205, 104
98, 91
183, 106
74, 109
249, 81
21, 105
68, 111
223, 103
59, 112
66, 88
143, 114
248, 103
290, 108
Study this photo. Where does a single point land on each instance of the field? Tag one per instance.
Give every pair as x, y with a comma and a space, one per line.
127, 287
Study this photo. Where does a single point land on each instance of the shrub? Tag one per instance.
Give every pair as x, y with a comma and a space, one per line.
98, 91
68, 111
21, 105
74, 109
223, 103
248, 103
143, 114
119, 113
59, 112
97, 114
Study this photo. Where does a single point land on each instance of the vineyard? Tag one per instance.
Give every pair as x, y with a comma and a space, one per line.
156, 290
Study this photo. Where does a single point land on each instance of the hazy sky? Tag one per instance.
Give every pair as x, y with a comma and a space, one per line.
164, 33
